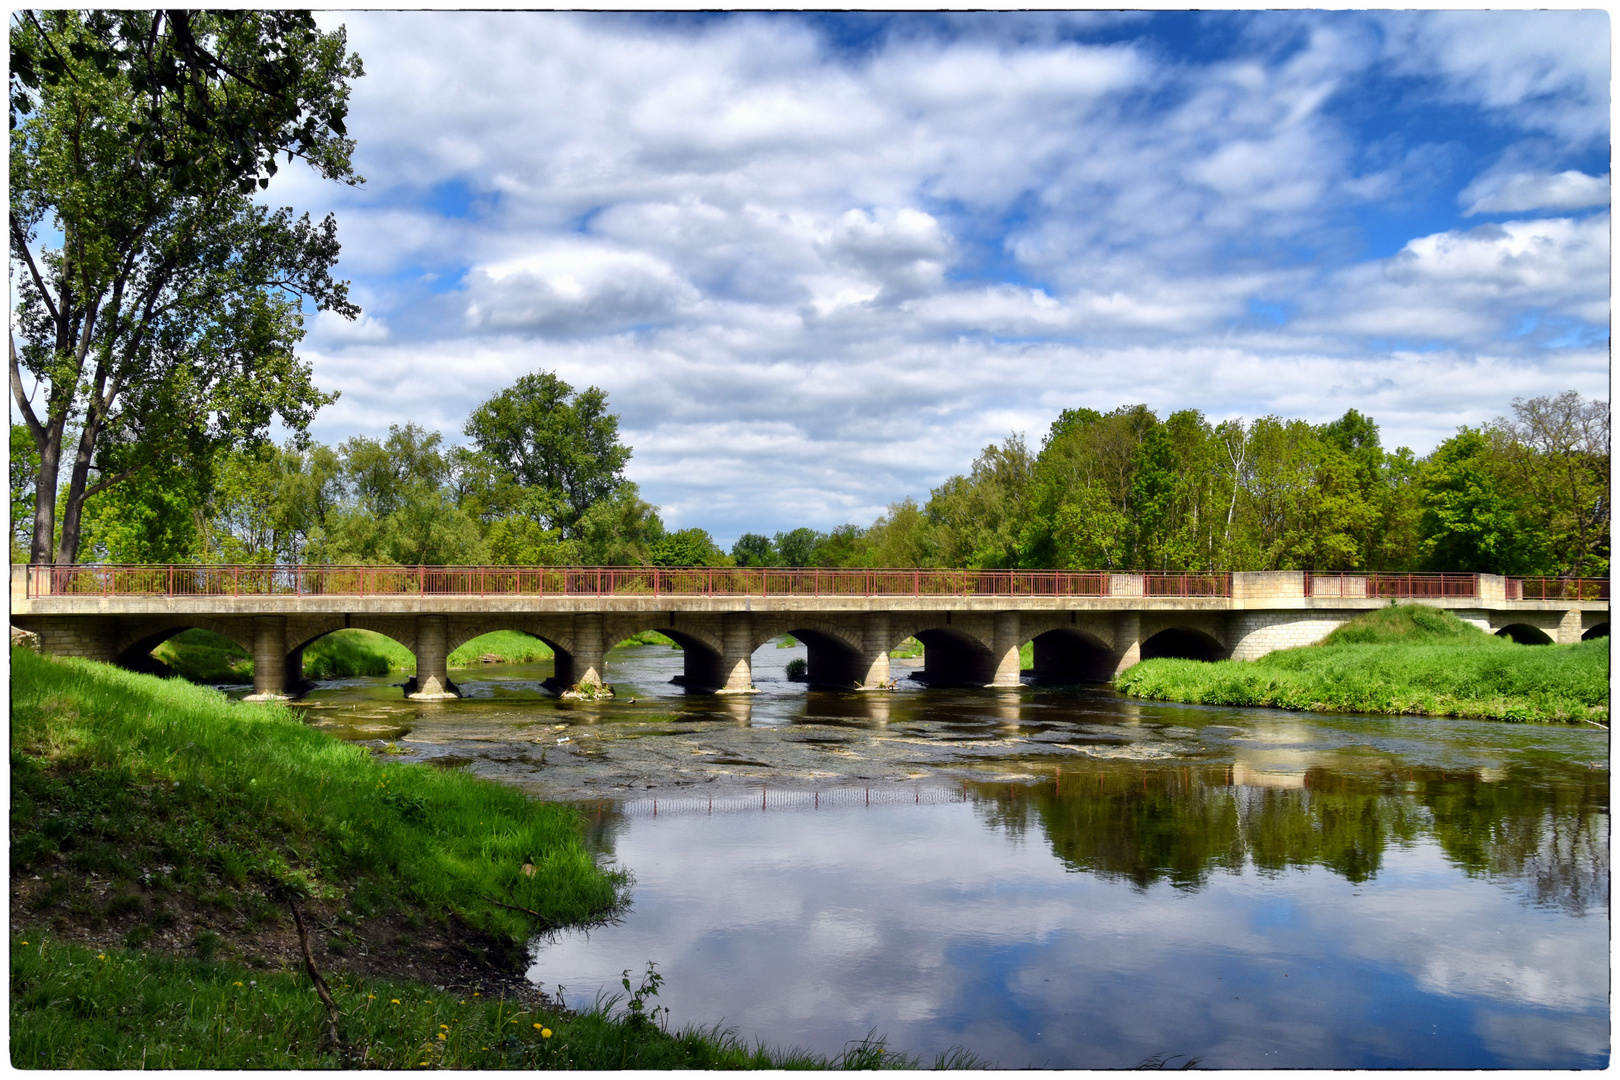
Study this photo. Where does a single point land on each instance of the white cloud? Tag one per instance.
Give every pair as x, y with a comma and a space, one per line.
1542, 70
816, 281
1568, 190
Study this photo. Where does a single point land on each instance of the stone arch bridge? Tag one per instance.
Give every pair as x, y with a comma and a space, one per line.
972, 624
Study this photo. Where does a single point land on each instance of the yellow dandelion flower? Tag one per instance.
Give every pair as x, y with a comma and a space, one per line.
444, 1027
537, 1027
545, 1033
238, 983
101, 956
441, 1035
393, 1001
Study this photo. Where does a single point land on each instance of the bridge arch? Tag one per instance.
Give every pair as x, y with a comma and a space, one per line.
1525, 634
1070, 655
955, 657
146, 635
1601, 630
1184, 643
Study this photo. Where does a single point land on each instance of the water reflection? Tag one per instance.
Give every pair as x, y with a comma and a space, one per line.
1145, 823
1062, 877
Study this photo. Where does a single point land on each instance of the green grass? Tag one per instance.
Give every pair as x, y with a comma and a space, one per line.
203, 656
907, 650
511, 646
1407, 659
344, 654
163, 788
77, 1008
649, 637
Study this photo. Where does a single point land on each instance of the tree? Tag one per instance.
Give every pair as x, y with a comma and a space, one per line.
1469, 522
157, 304
980, 516
1559, 457
620, 530
753, 549
797, 547
687, 547
558, 451
24, 467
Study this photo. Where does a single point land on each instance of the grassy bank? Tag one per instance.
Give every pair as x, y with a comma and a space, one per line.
157, 831
186, 809
1406, 659
74, 1007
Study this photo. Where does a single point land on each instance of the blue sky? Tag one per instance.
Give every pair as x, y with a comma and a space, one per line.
819, 261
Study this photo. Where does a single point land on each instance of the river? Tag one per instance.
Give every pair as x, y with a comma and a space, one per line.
1059, 877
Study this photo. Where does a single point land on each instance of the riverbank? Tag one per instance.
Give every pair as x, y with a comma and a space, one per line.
1406, 659
160, 834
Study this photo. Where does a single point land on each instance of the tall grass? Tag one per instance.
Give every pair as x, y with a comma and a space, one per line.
121, 773
508, 646
1405, 659
76, 1008
204, 656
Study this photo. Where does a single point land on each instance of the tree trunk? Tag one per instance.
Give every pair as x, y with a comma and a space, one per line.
50, 456
67, 552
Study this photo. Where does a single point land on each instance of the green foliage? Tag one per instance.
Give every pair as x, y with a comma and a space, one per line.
554, 453
1469, 521
344, 654
1409, 624
157, 304
1402, 660
687, 547
620, 530
127, 771
24, 467
77, 1008
796, 547
752, 549
205, 657
511, 646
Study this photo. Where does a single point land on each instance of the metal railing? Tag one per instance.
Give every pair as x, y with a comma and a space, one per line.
1349, 585
1545, 588
496, 581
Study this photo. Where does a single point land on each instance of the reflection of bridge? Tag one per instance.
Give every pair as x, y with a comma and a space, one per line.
1085, 626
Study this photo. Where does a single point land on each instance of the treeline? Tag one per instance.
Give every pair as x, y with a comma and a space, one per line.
541, 481
1129, 491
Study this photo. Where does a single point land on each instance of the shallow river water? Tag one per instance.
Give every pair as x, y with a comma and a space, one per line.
1059, 877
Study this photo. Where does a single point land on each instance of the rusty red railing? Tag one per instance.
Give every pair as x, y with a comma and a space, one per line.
1545, 588
1350, 585
261, 580
258, 580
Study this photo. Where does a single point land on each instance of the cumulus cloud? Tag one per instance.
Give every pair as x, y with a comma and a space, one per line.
1520, 191
815, 279
572, 289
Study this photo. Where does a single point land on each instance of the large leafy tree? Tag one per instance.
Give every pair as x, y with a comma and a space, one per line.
157, 304
552, 453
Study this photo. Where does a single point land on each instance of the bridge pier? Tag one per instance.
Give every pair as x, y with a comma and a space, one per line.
1007, 637
590, 650
1127, 640
270, 658
1569, 628
874, 650
736, 674
432, 680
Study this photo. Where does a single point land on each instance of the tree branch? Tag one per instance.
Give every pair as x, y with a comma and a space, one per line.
19, 238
